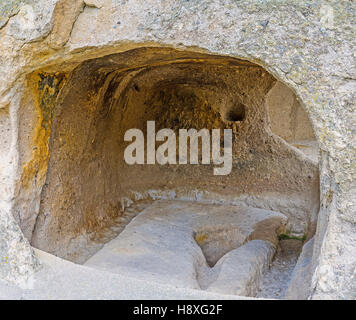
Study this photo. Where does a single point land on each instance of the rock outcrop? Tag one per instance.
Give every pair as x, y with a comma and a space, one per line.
306, 45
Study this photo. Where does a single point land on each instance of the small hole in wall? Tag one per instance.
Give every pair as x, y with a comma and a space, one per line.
236, 113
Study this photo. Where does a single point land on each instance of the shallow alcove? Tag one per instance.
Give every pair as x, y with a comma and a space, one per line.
290, 121
90, 194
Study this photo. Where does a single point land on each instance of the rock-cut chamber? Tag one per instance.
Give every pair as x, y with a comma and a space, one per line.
74, 151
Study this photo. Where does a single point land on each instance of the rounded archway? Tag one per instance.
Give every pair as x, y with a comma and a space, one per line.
91, 194
307, 47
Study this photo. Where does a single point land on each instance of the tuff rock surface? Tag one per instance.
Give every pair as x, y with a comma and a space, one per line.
162, 245
307, 45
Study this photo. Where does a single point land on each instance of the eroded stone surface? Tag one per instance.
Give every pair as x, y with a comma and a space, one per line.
287, 117
298, 288
241, 270
163, 244
308, 45
17, 260
63, 280
105, 97
277, 280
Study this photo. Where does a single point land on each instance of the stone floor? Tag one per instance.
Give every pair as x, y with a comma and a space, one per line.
175, 249
219, 248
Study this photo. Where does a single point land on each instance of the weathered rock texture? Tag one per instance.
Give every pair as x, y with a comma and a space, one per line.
162, 245
88, 181
287, 117
299, 287
307, 45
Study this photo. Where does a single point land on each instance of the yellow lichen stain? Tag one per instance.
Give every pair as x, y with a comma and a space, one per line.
200, 238
329, 198
44, 89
